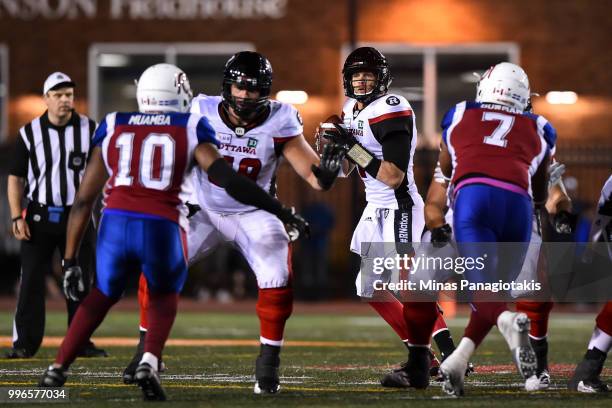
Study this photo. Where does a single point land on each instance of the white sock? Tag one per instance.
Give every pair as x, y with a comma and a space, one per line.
601, 340
150, 359
465, 349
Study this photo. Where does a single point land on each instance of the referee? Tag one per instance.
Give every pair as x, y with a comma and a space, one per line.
48, 164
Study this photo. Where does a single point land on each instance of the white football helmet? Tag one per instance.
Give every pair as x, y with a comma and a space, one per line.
505, 84
163, 88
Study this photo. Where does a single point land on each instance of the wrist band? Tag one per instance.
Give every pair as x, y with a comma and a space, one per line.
17, 218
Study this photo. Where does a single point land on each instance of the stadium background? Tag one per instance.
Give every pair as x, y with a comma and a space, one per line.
432, 46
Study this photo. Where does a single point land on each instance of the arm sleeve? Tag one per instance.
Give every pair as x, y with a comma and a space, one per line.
19, 162
395, 136
241, 188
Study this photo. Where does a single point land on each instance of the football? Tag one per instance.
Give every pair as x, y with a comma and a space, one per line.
327, 124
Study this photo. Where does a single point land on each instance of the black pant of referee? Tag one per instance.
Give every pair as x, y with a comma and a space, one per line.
47, 234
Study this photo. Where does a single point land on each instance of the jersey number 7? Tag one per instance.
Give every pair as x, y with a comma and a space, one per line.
498, 137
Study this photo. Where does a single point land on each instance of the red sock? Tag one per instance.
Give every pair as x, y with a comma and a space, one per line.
161, 313
604, 319
440, 323
392, 311
538, 313
420, 318
274, 306
88, 317
490, 311
143, 301
478, 327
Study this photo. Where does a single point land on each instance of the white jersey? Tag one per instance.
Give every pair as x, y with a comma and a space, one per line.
386, 107
251, 152
602, 223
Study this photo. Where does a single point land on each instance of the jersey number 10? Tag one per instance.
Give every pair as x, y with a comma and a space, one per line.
152, 144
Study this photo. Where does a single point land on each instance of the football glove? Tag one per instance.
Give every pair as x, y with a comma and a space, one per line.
354, 151
564, 222
331, 162
74, 284
295, 224
555, 172
441, 236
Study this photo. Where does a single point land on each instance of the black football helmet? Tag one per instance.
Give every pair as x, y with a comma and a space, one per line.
252, 71
366, 59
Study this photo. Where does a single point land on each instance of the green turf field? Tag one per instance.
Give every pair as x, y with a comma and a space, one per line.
343, 369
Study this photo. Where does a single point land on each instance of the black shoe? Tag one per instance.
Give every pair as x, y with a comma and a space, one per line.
53, 377
130, 370
148, 380
266, 370
398, 378
586, 377
90, 350
413, 370
17, 353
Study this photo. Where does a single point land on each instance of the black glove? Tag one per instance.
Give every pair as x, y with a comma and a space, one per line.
441, 236
295, 225
331, 162
192, 208
354, 151
564, 222
74, 284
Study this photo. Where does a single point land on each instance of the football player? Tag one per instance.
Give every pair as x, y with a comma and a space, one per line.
379, 136
145, 158
255, 134
587, 378
496, 156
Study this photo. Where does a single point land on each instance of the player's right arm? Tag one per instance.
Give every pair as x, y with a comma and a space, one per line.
435, 204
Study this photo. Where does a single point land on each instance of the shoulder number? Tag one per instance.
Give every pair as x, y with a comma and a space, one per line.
498, 137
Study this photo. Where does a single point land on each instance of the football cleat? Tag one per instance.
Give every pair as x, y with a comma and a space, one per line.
398, 377
53, 377
453, 370
515, 329
90, 350
17, 353
544, 380
148, 380
130, 370
266, 370
586, 378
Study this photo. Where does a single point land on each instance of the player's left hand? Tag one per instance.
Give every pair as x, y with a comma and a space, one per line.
74, 284
555, 172
564, 222
295, 224
331, 162
441, 236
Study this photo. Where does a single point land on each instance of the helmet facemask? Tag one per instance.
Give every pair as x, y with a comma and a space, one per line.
366, 59
246, 108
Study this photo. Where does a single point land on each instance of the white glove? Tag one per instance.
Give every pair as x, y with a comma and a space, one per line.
74, 285
555, 171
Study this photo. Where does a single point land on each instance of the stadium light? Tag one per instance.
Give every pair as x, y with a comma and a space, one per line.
561, 97
112, 60
292, 97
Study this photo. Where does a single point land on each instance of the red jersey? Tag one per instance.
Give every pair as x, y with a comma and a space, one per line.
496, 145
149, 158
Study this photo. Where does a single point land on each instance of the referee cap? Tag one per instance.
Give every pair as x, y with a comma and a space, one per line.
56, 79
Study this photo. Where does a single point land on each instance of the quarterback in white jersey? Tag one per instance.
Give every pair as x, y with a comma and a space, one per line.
255, 133
379, 134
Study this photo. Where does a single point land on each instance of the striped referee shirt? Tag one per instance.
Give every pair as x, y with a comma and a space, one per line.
52, 158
